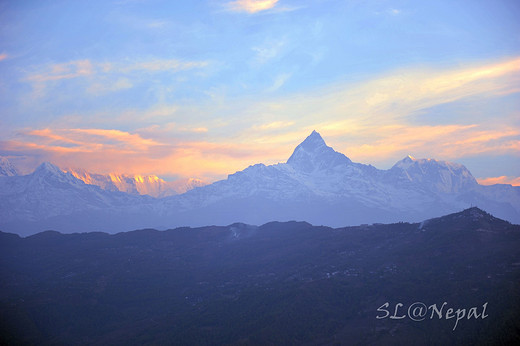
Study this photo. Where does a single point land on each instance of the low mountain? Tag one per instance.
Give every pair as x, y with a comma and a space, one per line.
285, 283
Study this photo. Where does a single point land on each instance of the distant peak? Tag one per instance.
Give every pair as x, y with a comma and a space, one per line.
313, 140
7, 168
48, 167
313, 153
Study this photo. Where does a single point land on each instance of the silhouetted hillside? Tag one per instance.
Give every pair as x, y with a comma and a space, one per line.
281, 283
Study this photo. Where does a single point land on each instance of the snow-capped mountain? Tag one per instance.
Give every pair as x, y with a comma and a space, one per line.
137, 184
316, 184
49, 192
7, 169
322, 186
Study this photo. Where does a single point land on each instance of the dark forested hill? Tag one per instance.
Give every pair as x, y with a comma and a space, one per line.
280, 283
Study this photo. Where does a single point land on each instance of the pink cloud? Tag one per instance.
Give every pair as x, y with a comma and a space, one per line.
515, 181
115, 151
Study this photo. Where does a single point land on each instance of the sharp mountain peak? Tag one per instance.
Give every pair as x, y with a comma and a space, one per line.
314, 154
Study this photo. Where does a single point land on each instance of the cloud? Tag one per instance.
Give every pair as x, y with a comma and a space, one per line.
115, 151
279, 81
378, 121
68, 70
251, 6
275, 125
3, 56
159, 65
105, 77
515, 181
106, 87
268, 51
448, 142
88, 139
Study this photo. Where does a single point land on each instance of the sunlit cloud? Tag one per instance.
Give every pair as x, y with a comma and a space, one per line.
447, 142
515, 181
382, 115
251, 6
374, 121
115, 151
275, 125
3, 56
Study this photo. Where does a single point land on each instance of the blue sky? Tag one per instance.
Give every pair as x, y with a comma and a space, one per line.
205, 88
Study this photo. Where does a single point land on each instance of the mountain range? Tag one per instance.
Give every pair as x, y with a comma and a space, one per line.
316, 184
150, 185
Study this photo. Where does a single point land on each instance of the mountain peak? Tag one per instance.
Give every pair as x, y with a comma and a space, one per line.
314, 154
47, 167
314, 140
406, 162
7, 169
440, 175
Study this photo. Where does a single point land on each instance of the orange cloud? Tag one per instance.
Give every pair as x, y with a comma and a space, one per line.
515, 181
3, 56
129, 140
115, 151
442, 142
251, 6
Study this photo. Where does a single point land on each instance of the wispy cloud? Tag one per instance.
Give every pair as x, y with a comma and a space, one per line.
89, 139
276, 125
381, 119
251, 6
447, 142
106, 76
104, 86
159, 65
279, 81
68, 70
269, 50
3, 56
374, 121
109, 150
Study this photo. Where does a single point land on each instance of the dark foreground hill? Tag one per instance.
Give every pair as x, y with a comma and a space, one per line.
280, 283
